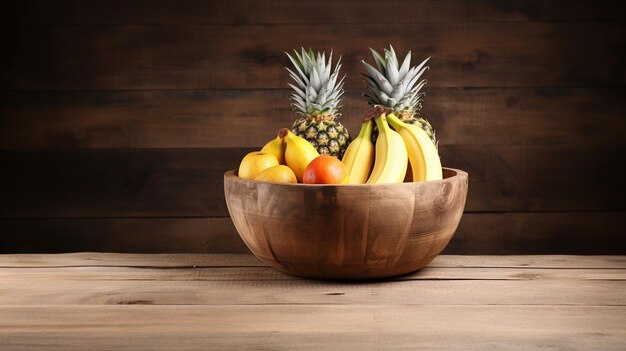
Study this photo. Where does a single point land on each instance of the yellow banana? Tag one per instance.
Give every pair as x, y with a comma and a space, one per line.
359, 155
391, 155
422, 152
276, 147
298, 152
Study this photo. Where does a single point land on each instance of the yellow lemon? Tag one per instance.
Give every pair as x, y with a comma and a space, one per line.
254, 163
278, 174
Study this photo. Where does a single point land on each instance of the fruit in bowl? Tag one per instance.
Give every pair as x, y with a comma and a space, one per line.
277, 174
256, 162
314, 204
316, 99
325, 169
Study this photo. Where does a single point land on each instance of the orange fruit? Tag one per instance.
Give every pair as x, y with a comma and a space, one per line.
325, 170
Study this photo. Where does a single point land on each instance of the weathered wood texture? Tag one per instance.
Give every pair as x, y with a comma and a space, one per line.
478, 233
309, 12
195, 234
312, 327
131, 301
480, 54
171, 261
188, 182
126, 114
226, 118
367, 231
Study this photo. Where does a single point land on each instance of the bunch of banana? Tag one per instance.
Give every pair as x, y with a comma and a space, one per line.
422, 152
391, 158
394, 148
359, 156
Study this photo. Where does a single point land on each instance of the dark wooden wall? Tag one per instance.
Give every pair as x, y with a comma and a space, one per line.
119, 118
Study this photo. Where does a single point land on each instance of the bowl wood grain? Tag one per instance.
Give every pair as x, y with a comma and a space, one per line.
347, 231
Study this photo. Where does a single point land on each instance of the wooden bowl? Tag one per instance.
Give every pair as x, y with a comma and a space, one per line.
346, 231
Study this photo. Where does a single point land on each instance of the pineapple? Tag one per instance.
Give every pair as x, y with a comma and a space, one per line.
317, 99
396, 87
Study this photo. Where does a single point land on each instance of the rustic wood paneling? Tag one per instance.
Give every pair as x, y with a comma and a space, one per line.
309, 12
115, 183
483, 54
484, 233
531, 233
118, 118
189, 182
153, 235
249, 118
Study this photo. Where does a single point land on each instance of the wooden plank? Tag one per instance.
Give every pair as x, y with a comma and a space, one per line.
150, 119
539, 178
278, 292
100, 273
147, 235
294, 12
95, 259
115, 183
189, 182
312, 327
530, 261
478, 233
251, 56
535, 233
99, 259
249, 118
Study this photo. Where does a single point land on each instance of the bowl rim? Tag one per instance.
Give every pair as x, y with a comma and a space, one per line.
458, 173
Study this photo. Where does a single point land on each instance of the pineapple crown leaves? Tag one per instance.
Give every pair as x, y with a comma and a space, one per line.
392, 84
316, 90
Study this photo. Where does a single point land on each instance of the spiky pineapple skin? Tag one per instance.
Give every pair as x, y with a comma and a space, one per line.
328, 136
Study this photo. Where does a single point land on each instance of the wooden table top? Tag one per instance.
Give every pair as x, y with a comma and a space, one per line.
95, 301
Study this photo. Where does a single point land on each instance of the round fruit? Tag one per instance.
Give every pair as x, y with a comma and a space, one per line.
325, 170
277, 174
255, 163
